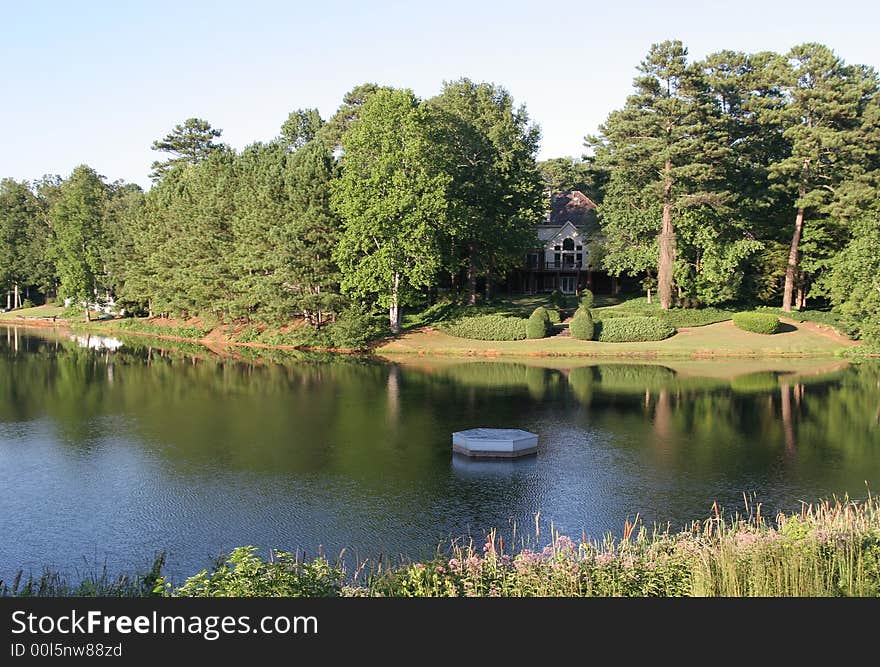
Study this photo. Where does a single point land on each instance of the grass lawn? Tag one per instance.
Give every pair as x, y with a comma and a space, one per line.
721, 339
37, 311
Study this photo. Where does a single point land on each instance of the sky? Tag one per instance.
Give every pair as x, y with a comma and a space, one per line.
97, 82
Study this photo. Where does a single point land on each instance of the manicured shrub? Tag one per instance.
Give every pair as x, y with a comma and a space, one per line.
632, 330
556, 298
553, 314
539, 324
581, 326
586, 299
487, 327
762, 323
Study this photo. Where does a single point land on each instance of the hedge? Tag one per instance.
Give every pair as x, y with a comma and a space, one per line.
632, 330
487, 327
553, 314
581, 327
762, 323
586, 299
538, 325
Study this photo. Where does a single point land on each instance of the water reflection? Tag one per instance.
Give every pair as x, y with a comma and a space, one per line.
116, 451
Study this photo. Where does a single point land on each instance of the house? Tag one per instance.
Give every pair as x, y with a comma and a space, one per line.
568, 258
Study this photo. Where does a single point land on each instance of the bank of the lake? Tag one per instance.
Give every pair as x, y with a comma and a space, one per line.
721, 339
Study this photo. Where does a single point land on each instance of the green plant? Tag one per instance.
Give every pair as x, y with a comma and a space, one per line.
538, 325
244, 574
27, 303
556, 298
355, 328
587, 299
581, 326
762, 323
486, 327
632, 329
553, 314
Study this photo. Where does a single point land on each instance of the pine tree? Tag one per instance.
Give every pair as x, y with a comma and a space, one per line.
663, 151
188, 143
822, 120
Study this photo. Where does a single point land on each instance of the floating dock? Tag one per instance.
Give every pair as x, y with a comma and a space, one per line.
494, 443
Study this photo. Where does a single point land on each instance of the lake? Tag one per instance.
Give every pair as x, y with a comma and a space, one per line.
111, 451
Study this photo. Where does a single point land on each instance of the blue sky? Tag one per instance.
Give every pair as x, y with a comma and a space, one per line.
97, 82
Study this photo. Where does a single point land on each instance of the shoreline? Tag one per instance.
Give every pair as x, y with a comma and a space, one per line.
402, 346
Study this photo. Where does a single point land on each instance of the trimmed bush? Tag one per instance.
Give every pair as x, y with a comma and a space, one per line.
538, 325
587, 299
487, 327
581, 326
553, 314
762, 323
633, 330
556, 298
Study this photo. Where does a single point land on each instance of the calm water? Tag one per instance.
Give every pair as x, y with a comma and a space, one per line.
111, 454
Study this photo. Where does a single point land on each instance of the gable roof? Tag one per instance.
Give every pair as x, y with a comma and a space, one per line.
572, 206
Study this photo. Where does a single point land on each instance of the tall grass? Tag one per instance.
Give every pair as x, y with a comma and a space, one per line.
92, 583
830, 548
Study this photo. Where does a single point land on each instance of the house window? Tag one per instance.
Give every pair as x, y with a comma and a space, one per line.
557, 247
579, 248
556, 260
568, 244
532, 261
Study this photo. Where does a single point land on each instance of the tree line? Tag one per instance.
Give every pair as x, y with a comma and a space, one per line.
738, 178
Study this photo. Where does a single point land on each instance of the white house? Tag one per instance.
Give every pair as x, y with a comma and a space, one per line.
568, 236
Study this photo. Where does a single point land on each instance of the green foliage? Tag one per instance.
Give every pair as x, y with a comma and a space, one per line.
828, 318
553, 314
391, 198
556, 299
538, 325
301, 127
77, 216
146, 327
675, 317
244, 574
854, 283
632, 329
587, 299
581, 326
355, 328
99, 583
487, 147
762, 323
487, 327
188, 143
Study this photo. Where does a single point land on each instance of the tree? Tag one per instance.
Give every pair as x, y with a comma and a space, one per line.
392, 201
18, 217
284, 231
188, 230
348, 112
189, 143
562, 174
663, 152
77, 217
124, 256
301, 127
822, 119
487, 147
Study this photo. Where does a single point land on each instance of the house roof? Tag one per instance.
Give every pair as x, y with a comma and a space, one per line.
573, 206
